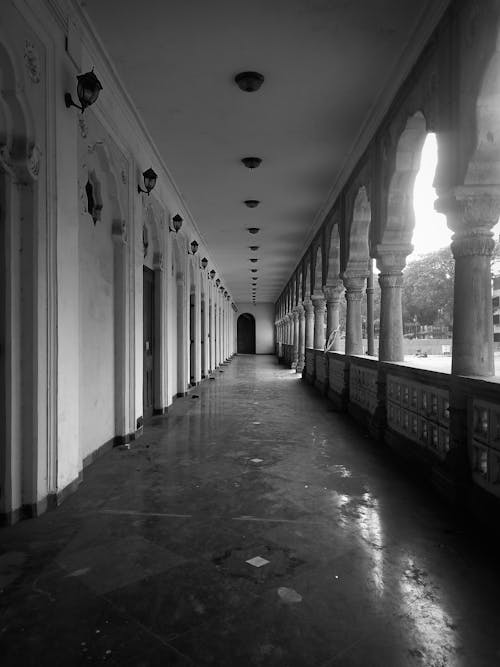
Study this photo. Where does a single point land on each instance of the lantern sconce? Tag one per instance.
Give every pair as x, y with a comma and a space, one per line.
194, 248
87, 89
176, 222
149, 177
212, 274
204, 263
217, 282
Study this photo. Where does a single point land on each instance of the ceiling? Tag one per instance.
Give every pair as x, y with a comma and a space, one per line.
325, 63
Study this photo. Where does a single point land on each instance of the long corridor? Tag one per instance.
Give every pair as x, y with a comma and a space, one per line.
252, 526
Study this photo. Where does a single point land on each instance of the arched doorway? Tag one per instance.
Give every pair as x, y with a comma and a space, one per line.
246, 334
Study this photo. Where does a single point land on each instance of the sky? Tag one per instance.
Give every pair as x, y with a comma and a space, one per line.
431, 232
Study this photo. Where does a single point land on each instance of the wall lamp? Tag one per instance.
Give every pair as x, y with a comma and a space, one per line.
204, 263
149, 177
217, 282
176, 222
212, 274
194, 248
87, 89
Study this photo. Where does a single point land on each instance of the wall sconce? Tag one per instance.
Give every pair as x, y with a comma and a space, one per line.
252, 162
253, 230
212, 274
204, 263
149, 177
225, 293
217, 282
194, 248
176, 222
87, 89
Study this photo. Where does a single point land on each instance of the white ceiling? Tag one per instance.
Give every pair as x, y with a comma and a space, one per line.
325, 64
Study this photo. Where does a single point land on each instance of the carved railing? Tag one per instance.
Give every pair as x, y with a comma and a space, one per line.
484, 435
310, 364
363, 378
336, 372
418, 407
321, 369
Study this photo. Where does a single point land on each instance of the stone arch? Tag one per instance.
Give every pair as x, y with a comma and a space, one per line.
318, 271
307, 280
397, 228
358, 246
333, 269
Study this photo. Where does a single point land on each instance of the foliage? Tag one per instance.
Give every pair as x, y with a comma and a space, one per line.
428, 289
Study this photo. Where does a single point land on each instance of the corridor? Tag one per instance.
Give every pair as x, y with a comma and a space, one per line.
252, 526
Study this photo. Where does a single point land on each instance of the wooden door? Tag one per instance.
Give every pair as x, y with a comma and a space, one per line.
148, 343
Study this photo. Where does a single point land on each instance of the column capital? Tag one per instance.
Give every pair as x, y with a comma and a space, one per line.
319, 303
354, 283
391, 258
301, 312
309, 308
475, 206
390, 280
333, 292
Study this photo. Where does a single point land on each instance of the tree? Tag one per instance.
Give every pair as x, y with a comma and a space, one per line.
428, 289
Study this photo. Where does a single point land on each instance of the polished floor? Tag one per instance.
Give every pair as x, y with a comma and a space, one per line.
252, 526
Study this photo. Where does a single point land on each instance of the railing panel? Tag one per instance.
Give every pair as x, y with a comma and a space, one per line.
363, 387
484, 445
321, 367
310, 362
420, 412
336, 374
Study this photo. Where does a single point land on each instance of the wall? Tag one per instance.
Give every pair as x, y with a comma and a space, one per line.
264, 325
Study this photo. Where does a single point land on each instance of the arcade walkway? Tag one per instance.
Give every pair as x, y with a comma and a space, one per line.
147, 564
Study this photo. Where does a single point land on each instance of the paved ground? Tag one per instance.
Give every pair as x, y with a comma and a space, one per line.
152, 562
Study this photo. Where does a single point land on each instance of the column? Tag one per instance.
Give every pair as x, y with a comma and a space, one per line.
354, 293
295, 343
472, 212
391, 261
332, 294
309, 325
301, 356
319, 304
370, 328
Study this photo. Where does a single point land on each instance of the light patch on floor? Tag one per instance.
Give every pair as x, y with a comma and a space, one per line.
256, 460
257, 561
289, 595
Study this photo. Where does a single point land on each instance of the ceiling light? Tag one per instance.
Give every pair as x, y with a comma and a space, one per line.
253, 230
87, 89
249, 82
251, 162
251, 203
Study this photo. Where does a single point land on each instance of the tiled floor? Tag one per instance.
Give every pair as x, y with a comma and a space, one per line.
253, 526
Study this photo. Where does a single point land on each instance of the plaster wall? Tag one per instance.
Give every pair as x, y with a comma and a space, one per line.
264, 325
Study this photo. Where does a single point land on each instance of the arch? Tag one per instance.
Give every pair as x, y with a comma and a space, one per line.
318, 271
400, 219
358, 246
307, 280
179, 361
333, 270
246, 334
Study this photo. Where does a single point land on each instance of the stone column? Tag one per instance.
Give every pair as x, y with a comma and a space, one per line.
309, 325
391, 261
295, 331
301, 357
332, 312
319, 304
370, 328
354, 293
472, 211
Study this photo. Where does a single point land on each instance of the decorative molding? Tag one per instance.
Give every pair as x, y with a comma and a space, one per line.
32, 61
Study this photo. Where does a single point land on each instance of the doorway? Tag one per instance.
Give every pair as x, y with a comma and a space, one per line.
246, 334
148, 342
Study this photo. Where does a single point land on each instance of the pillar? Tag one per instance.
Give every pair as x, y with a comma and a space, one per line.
295, 335
301, 356
391, 261
309, 324
370, 317
354, 293
472, 211
319, 304
333, 313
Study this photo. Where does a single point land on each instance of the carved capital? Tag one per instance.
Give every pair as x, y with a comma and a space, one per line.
309, 309
468, 207
354, 284
390, 280
391, 259
319, 304
301, 313
333, 293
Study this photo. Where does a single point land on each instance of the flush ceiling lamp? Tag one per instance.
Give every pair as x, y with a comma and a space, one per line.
249, 82
252, 162
176, 223
149, 177
253, 230
87, 89
251, 203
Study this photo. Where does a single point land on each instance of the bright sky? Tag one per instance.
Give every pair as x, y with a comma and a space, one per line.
431, 232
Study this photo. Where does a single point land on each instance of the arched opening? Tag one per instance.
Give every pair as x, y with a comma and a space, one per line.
192, 338
246, 334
